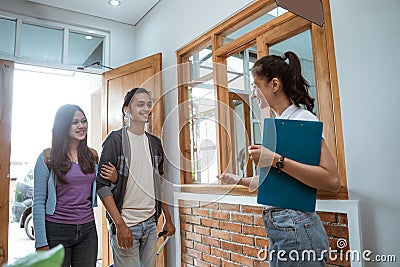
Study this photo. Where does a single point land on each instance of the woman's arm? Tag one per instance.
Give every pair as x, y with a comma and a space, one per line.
322, 177
109, 172
41, 175
230, 178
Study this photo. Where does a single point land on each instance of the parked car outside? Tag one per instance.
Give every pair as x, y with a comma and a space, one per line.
22, 206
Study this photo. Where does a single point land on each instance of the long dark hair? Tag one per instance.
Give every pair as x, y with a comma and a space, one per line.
59, 160
294, 84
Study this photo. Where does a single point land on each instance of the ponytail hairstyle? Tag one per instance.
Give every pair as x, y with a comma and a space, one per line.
60, 162
294, 84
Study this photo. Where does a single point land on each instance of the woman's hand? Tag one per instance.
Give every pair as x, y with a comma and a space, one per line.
43, 248
109, 172
229, 178
262, 156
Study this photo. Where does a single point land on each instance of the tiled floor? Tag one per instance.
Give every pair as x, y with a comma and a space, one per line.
19, 245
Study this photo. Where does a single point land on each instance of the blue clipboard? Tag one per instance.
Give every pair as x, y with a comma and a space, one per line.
296, 140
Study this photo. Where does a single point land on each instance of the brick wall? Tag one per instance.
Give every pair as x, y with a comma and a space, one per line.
222, 234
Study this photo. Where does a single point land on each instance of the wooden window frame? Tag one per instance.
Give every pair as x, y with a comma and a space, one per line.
274, 31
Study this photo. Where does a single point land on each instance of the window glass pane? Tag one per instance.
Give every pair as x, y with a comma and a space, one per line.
201, 64
85, 49
241, 138
239, 66
255, 113
41, 43
301, 45
203, 126
256, 109
203, 132
236, 74
255, 24
257, 133
7, 36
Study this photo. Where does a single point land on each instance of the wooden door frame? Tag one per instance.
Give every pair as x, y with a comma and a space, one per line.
6, 89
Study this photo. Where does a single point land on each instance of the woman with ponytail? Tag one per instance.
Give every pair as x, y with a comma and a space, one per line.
278, 84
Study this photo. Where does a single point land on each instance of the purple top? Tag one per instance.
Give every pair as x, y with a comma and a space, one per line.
74, 205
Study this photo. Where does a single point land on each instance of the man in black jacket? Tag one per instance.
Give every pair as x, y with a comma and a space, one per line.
133, 159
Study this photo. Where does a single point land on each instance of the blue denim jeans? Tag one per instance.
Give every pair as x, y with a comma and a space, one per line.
143, 251
296, 238
79, 241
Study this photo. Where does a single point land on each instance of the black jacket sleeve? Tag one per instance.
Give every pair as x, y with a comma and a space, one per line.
109, 153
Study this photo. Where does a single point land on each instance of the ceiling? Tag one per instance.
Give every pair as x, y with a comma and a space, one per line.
129, 12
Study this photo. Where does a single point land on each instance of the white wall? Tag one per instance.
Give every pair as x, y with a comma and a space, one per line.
122, 36
367, 37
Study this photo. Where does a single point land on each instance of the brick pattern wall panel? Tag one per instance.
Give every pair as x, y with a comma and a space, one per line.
223, 234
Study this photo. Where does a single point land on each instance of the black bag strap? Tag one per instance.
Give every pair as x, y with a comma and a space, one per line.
46, 157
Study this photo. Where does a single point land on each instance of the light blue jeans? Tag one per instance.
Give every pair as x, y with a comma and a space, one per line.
296, 238
143, 252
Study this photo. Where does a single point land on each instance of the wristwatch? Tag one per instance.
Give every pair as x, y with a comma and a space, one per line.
280, 164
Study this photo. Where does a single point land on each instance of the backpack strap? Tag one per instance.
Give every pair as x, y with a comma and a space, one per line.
94, 152
46, 156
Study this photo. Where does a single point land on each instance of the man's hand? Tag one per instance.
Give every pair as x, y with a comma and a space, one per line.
124, 237
262, 156
229, 178
169, 227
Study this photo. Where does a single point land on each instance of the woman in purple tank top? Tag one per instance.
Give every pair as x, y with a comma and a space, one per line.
64, 191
